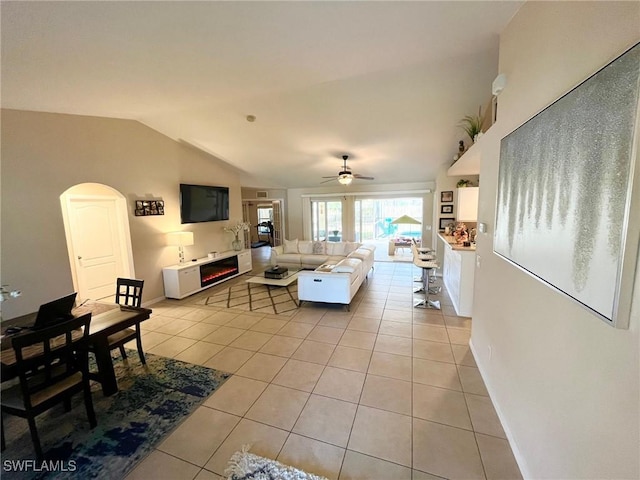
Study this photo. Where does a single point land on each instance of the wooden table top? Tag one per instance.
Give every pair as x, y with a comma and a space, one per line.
106, 319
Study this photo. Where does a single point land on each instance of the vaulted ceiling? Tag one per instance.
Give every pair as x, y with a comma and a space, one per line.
384, 82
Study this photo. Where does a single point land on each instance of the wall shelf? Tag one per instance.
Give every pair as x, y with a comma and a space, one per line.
468, 163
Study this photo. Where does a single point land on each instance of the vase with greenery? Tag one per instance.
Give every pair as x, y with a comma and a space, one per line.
472, 125
463, 183
237, 244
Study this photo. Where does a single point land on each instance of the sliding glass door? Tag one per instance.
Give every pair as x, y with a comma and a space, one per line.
326, 220
366, 219
383, 218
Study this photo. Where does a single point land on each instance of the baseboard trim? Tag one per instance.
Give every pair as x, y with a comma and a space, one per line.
152, 301
519, 457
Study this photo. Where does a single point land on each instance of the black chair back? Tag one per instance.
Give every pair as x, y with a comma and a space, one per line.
129, 292
48, 356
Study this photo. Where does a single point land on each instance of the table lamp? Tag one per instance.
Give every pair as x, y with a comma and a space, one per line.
180, 240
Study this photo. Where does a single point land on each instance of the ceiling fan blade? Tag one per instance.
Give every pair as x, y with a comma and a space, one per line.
332, 176
362, 177
332, 179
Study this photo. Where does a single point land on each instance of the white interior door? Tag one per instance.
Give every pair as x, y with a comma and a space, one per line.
97, 247
278, 227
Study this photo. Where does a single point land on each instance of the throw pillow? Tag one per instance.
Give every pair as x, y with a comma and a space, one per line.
318, 248
291, 246
305, 247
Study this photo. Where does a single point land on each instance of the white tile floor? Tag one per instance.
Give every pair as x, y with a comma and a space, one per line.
384, 391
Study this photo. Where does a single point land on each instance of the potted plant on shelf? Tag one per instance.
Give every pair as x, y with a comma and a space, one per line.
463, 183
472, 125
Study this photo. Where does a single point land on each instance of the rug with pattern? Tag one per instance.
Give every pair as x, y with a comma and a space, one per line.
151, 401
248, 466
254, 297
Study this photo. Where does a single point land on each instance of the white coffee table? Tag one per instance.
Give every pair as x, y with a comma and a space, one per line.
292, 276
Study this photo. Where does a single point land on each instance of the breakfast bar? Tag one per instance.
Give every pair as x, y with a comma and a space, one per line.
458, 274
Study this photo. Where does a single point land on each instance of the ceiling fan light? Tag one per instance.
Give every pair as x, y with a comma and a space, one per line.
345, 179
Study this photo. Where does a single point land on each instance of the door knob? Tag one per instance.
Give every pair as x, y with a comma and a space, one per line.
79, 257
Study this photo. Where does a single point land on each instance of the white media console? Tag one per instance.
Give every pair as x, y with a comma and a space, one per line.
191, 277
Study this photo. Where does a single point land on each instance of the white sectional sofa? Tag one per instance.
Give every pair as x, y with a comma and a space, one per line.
339, 268
308, 254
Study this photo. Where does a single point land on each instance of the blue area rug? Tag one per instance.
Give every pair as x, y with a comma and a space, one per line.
152, 400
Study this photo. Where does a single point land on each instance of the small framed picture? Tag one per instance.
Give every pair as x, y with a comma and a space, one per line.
444, 222
149, 207
446, 196
446, 208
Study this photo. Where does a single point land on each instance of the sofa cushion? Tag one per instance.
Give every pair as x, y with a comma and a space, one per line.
334, 259
318, 248
305, 247
348, 265
336, 248
291, 246
360, 253
314, 260
350, 247
289, 258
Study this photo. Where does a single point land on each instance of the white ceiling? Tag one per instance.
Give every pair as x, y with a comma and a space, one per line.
384, 82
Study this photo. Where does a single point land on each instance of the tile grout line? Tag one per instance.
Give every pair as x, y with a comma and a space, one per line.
325, 365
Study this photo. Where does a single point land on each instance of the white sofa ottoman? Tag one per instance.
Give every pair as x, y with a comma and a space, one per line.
337, 283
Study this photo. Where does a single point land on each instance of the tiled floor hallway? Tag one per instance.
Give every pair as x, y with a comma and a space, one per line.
384, 391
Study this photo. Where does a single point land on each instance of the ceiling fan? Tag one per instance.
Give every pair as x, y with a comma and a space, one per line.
345, 177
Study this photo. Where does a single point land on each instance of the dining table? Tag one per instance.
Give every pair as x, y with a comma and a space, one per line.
106, 319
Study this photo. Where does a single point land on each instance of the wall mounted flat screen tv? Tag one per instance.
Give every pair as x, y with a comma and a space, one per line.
203, 203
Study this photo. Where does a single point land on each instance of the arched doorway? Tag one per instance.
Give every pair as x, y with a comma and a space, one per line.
98, 239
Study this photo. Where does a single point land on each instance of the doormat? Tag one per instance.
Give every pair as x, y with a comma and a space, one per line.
151, 401
254, 297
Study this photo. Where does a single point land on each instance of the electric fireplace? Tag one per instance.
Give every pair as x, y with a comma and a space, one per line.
219, 270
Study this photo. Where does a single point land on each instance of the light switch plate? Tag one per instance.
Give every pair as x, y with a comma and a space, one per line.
482, 227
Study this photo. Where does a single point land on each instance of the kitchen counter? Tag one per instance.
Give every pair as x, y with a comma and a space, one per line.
458, 274
450, 239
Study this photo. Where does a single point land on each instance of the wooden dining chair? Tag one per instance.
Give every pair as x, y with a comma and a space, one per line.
129, 293
52, 365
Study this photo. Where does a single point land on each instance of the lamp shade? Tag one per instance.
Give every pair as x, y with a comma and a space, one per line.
180, 239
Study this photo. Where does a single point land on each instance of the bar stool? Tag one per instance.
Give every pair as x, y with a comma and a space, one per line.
427, 267
425, 254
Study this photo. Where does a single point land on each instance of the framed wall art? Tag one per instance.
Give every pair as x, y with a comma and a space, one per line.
149, 207
446, 208
566, 188
446, 197
444, 222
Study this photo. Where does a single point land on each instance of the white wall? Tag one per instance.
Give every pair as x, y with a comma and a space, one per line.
44, 154
565, 384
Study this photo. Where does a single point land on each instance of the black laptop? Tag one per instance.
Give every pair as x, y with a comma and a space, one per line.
55, 312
